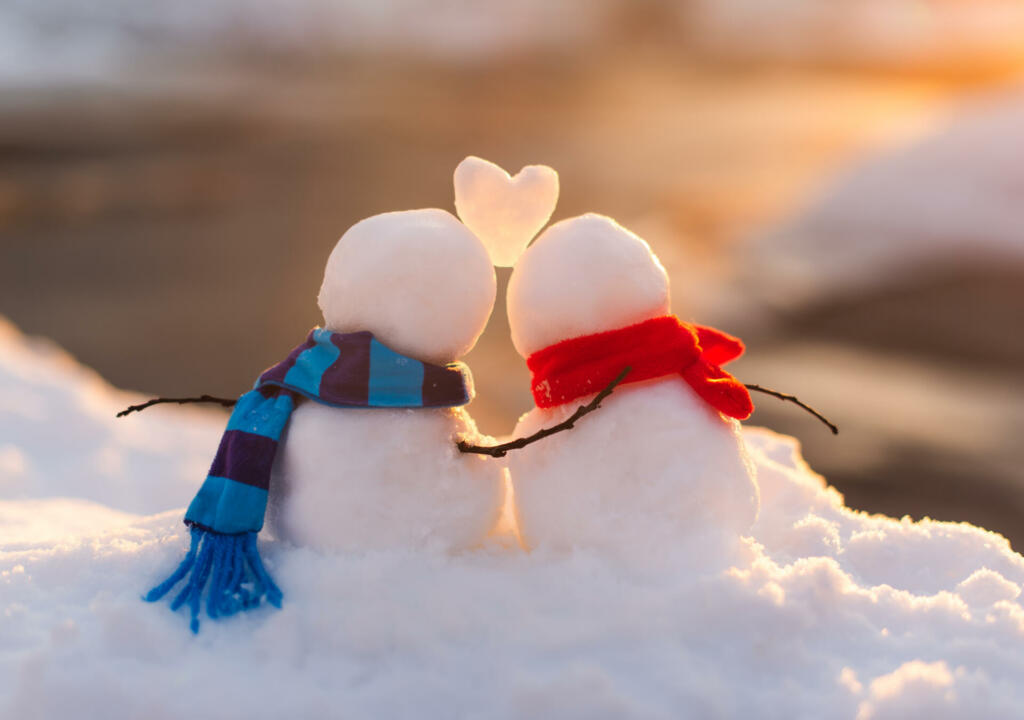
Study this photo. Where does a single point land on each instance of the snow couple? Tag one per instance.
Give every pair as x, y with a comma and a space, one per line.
352, 443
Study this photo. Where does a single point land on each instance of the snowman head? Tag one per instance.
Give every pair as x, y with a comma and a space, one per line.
582, 276
419, 280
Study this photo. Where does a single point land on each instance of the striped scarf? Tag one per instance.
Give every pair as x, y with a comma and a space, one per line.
345, 370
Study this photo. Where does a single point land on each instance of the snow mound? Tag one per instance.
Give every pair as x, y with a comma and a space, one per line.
900, 33
950, 198
59, 436
69, 40
826, 613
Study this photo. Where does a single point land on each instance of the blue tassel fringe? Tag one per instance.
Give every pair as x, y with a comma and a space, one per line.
232, 566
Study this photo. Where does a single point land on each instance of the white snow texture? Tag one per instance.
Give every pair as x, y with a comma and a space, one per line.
382, 478
419, 279
614, 485
582, 276
819, 611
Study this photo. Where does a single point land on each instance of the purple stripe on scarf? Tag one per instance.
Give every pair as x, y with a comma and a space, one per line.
441, 386
277, 372
347, 380
245, 457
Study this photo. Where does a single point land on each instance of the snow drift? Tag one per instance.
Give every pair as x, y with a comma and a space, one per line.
947, 35
826, 612
951, 198
69, 40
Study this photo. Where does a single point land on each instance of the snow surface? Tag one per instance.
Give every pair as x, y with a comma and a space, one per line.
822, 612
419, 280
58, 437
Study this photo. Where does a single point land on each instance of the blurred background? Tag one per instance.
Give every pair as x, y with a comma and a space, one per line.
839, 182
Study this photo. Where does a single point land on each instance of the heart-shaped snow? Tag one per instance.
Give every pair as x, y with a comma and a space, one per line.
504, 212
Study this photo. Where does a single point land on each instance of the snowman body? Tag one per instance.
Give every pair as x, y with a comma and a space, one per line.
389, 478
379, 478
655, 469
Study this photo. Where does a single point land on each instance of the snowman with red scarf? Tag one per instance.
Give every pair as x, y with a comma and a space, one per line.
662, 466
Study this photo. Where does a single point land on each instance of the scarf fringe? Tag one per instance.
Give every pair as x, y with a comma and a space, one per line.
231, 565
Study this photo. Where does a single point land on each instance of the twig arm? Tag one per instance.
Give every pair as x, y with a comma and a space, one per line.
502, 450
796, 401
226, 402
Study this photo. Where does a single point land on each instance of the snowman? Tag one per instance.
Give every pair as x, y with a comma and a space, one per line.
388, 477
662, 464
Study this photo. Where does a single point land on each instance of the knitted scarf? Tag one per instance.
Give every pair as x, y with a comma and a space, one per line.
653, 348
344, 370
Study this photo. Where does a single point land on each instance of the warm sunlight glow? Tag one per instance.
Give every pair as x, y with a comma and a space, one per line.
506, 530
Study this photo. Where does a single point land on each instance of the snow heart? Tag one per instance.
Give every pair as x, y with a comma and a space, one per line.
505, 212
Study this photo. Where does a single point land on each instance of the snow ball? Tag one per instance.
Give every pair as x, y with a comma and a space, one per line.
419, 280
583, 275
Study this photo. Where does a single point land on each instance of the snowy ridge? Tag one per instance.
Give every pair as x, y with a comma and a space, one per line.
68, 40
825, 612
59, 437
951, 198
884, 32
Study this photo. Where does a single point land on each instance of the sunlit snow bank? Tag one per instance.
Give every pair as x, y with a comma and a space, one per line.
951, 198
952, 35
827, 613
59, 436
68, 40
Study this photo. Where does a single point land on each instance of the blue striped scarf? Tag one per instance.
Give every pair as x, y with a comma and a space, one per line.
345, 370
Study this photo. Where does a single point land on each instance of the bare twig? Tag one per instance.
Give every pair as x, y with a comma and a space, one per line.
796, 401
226, 402
501, 450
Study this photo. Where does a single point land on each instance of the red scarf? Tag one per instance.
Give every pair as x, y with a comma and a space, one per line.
653, 348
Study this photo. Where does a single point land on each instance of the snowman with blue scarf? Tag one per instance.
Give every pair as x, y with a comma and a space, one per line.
349, 444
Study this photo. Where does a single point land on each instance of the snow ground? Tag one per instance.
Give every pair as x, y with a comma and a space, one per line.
826, 612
